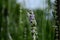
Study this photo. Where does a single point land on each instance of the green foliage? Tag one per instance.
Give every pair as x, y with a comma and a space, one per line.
17, 22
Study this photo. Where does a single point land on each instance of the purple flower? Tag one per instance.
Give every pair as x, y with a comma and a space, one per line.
32, 17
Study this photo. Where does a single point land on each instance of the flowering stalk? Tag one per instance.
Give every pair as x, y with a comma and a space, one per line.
33, 24
57, 18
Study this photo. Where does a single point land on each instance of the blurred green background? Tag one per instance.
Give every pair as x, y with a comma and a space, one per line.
13, 21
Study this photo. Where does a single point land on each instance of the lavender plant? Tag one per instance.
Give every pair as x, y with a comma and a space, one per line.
33, 24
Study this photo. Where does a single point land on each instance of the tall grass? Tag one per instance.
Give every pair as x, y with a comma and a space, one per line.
18, 24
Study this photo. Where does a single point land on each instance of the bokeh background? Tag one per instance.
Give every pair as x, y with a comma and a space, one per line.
15, 24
